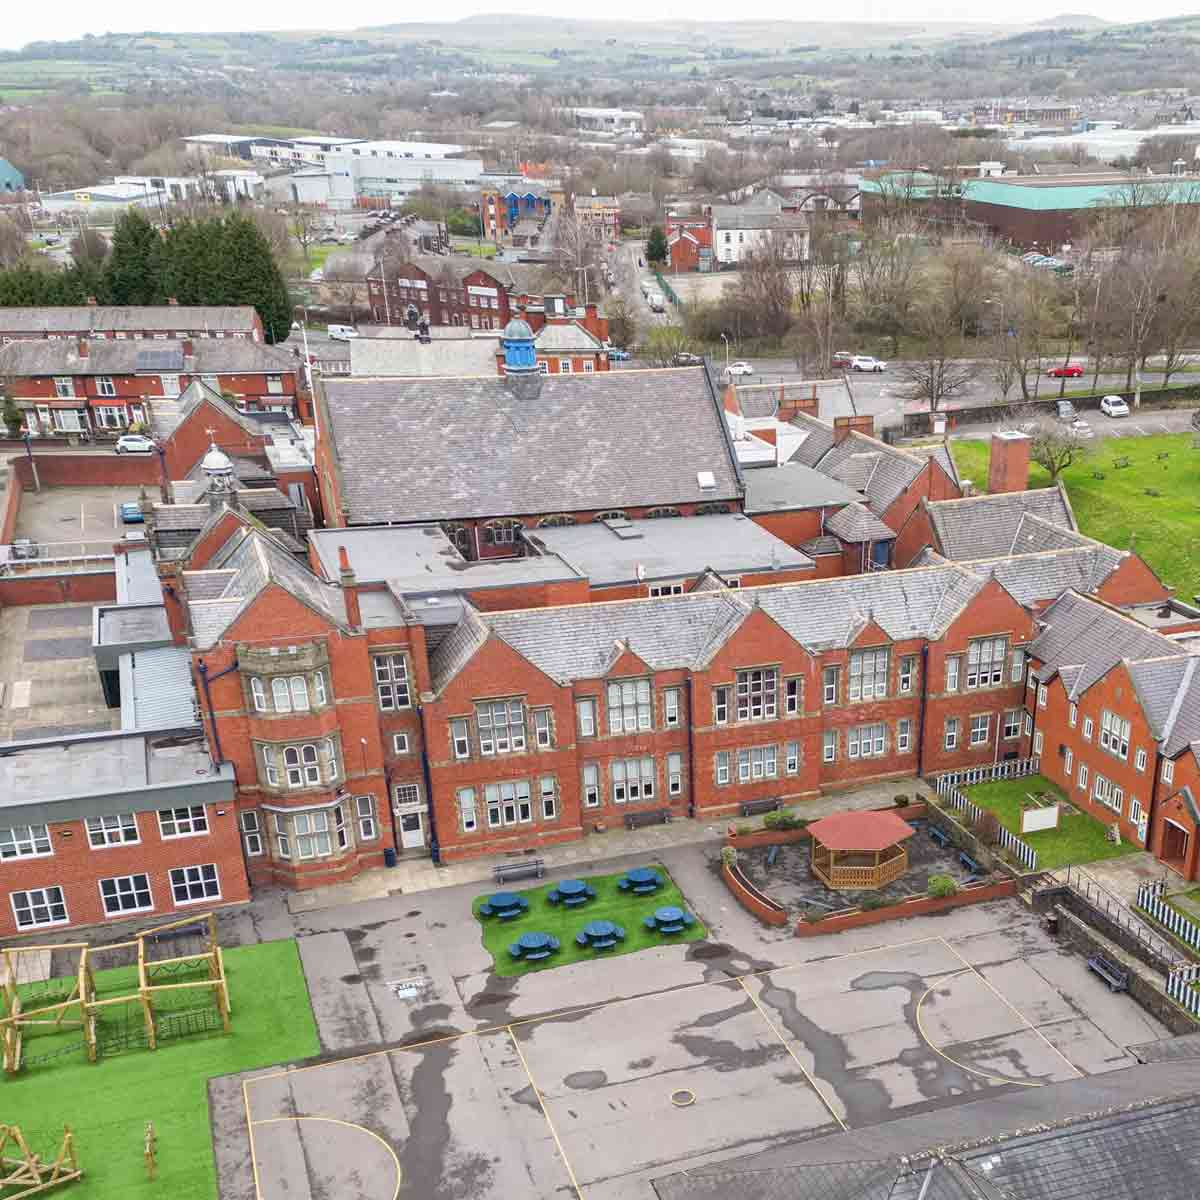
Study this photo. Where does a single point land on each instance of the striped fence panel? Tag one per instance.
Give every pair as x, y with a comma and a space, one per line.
1013, 768
1024, 853
1181, 988
1150, 898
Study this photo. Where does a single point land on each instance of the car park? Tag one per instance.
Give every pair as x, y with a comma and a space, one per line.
842, 359
1081, 429
24, 547
1114, 406
739, 368
864, 362
131, 513
685, 358
134, 443
1065, 410
1065, 371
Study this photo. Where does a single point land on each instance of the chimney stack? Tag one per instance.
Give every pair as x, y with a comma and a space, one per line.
349, 582
82, 347
1008, 470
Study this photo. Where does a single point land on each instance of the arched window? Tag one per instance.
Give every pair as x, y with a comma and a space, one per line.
258, 695
655, 513
612, 515
558, 519
711, 508
281, 695
299, 693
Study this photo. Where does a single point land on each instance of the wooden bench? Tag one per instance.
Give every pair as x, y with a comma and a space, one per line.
647, 816
1116, 977
755, 808
940, 836
531, 868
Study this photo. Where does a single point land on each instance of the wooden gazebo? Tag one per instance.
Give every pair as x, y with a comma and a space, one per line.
859, 849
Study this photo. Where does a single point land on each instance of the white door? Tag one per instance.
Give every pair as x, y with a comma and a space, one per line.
412, 832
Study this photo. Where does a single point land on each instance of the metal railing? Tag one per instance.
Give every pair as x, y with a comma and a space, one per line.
1010, 768
1150, 898
1120, 912
1022, 851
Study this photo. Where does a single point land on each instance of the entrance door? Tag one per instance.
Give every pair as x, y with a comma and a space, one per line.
1175, 843
412, 831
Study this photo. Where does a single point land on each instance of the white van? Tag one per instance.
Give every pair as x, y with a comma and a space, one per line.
342, 333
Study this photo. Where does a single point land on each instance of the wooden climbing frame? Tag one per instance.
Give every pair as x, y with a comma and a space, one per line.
23, 1173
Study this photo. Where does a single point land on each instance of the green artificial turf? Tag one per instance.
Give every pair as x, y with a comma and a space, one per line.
1079, 838
107, 1104
611, 904
1165, 527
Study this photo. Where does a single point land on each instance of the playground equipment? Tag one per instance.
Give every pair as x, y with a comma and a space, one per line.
31, 1002
23, 1173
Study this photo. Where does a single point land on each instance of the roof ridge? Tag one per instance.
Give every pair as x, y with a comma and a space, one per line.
1185, 684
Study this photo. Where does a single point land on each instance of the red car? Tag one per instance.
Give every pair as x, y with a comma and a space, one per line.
1070, 371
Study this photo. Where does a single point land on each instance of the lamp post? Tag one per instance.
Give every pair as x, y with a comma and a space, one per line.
726, 341
1000, 303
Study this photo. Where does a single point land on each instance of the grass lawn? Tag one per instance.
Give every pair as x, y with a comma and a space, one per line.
1110, 509
1079, 838
318, 254
474, 248
610, 904
107, 1104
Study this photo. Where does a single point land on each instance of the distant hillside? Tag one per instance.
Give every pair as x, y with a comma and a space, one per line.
1072, 21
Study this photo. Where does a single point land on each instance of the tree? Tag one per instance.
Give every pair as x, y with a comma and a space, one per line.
13, 246
133, 273
940, 373
12, 416
89, 246
1055, 447
304, 229
662, 344
252, 275
622, 323
656, 245
765, 289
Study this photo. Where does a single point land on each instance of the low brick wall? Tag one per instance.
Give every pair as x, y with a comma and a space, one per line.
917, 907
788, 837
964, 839
84, 587
757, 903
11, 510
87, 470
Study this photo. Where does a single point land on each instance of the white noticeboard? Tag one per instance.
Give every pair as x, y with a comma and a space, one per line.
1035, 819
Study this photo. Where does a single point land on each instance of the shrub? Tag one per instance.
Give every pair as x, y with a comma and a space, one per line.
781, 820
873, 901
940, 886
743, 828
1153, 492
988, 828
728, 856
900, 801
812, 917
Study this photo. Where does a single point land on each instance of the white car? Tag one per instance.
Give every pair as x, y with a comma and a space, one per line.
134, 443
1080, 429
317, 276
739, 368
1114, 406
864, 362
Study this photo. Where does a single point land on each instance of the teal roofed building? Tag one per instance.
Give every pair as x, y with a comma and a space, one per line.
11, 180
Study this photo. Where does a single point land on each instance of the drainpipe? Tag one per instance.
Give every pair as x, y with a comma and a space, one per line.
691, 771
206, 680
1150, 812
921, 712
435, 852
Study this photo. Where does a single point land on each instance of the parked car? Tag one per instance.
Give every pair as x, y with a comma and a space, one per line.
134, 443
1065, 411
1114, 406
317, 276
1065, 371
864, 362
685, 358
843, 358
1081, 429
342, 333
131, 513
739, 368
616, 354
24, 547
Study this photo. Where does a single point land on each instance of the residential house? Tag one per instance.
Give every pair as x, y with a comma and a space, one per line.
738, 230
99, 321
600, 216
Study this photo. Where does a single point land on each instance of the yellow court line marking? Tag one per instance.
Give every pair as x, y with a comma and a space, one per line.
787, 1046
942, 1054
1004, 1000
348, 1125
546, 1114
250, 1135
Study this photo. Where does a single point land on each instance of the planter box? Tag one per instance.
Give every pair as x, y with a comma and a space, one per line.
751, 899
916, 907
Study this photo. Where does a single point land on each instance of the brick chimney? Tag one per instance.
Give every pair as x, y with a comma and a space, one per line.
1009, 467
82, 347
349, 582
844, 426
793, 400
189, 348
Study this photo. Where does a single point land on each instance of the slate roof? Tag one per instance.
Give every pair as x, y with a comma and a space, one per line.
85, 318
873, 467
571, 336
856, 523
793, 486
817, 442
411, 450
734, 216
1036, 578
131, 356
440, 357
1169, 690
168, 415
987, 526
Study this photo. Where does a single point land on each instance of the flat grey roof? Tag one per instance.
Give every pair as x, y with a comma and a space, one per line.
157, 690
792, 486
610, 552
137, 580
119, 626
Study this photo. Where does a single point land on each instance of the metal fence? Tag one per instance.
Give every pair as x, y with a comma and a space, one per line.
1182, 987
1119, 912
1010, 768
1024, 853
1150, 898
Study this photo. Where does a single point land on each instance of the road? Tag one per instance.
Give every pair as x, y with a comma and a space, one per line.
627, 281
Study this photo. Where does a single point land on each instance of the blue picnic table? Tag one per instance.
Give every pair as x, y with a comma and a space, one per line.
533, 946
641, 881
504, 905
571, 893
600, 935
669, 919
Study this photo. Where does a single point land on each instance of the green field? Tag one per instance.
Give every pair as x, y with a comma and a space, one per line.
1079, 837
610, 904
108, 1103
1116, 507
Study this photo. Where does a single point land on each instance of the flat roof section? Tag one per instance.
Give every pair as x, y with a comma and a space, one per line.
613, 552
794, 486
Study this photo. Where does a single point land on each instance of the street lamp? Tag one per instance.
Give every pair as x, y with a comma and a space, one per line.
997, 301
726, 341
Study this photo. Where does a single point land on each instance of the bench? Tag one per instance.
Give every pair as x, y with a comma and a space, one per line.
1116, 977
531, 868
772, 855
647, 816
755, 808
940, 836
969, 863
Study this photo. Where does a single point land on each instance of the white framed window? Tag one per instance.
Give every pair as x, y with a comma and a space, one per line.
829, 746
664, 589
950, 736
39, 906
64, 387
460, 737
908, 673
281, 694
407, 795
632, 779
1012, 724
399, 743
1083, 777
391, 681
791, 758
985, 662
1037, 742
829, 685
1139, 759
793, 691
508, 803
1072, 715
866, 741
981, 723
1042, 694
721, 705
591, 785
1114, 734
119, 829
170, 385
1028, 724
629, 706
105, 386
758, 762
1135, 813
674, 774
25, 841
283, 845
468, 816
251, 832
274, 385
543, 733
869, 674
110, 418
364, 813
1168, 770
301, 765
319, 688
722, 766
299, 689
340, 832
501, 725
182, 822
549, 795
1089, 728
758, 694
1068, 762
585, 713
125, 894
311, 830
903, 735
258, 695
953, 668
1017, 665
190, 885
671, 707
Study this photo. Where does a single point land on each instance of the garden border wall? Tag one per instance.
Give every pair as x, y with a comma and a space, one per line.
757, 903
918, 906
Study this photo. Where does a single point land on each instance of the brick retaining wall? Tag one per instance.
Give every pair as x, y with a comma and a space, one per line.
757, 903
918, 906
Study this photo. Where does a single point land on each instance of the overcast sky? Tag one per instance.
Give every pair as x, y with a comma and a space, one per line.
27, 22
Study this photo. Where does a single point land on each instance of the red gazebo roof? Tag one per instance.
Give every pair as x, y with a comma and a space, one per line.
865, 830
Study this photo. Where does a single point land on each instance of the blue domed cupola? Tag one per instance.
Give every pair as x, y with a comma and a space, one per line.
516, 340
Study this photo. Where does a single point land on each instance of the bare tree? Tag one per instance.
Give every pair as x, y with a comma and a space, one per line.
304, 223
622, 322
662, 344
13, 246
940, 373
1055, 447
